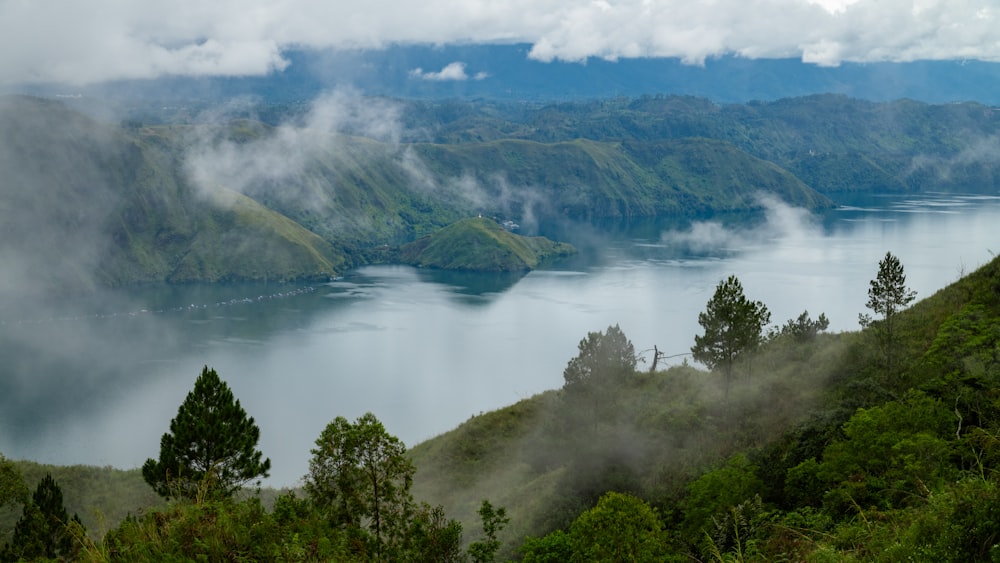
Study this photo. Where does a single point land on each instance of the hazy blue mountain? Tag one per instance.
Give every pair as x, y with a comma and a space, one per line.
505, 72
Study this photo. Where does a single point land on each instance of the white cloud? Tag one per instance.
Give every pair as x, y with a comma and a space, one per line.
452, 71
97, 40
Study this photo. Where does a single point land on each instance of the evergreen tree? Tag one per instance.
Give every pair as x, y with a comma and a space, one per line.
42, 531
211, 447
603, 358
733, 326
604, 364
887, 296
803, 328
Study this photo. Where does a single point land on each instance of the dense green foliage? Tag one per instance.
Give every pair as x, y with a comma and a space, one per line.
360, 478
481, 245
12, 489
101, 496
211, 448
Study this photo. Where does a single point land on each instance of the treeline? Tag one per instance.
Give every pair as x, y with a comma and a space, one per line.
831, 142
356, 504
879, 445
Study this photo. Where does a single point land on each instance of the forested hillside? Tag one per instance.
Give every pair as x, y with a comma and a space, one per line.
860, 446
307, 196
831, 142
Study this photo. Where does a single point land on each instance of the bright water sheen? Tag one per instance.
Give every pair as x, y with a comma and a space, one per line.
97, 383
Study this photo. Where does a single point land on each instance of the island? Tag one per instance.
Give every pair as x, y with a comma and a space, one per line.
481, 244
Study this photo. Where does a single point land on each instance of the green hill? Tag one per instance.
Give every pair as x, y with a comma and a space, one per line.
87, 203
845, 459
481, 245
585, 179
831, 142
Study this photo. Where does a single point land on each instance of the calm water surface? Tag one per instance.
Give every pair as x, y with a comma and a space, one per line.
97, 383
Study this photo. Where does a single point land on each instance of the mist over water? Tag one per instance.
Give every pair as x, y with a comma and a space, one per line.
97, 382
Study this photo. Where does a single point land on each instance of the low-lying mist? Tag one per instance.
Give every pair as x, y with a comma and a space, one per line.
779, 221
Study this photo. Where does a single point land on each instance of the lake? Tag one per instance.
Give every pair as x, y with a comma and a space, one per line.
98, 382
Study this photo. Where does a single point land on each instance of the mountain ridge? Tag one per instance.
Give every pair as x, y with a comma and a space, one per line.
90, 203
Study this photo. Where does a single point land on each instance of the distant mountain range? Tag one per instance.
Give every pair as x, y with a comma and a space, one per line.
88, 203
504, 72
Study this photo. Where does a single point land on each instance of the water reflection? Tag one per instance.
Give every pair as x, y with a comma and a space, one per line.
472, 288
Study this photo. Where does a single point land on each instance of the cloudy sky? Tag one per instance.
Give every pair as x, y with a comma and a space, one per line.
87, 41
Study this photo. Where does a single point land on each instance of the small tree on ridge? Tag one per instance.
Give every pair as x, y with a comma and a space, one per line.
887, 296
604, 364
733, 326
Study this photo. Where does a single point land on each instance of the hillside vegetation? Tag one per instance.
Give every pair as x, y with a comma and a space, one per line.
819, 451
822, 449
89, 203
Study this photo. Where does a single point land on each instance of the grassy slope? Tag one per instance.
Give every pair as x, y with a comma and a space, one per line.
244, 240
91, 204
590, 179
679, 422
675, 423
480, 244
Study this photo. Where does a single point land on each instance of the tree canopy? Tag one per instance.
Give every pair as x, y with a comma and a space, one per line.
603, 358
360, 476
211, 448
605, 362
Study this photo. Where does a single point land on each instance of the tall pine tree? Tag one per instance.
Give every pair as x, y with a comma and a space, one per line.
887, 296
733, 325
43, 529
211, 449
